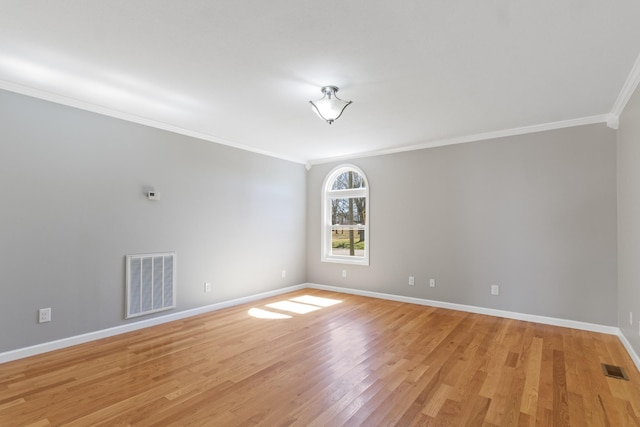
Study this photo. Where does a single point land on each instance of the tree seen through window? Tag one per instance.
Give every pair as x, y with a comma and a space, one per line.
347, 196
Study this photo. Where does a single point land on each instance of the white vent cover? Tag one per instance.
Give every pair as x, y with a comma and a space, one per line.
151, 283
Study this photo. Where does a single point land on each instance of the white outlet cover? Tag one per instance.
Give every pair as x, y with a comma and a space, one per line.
207, 287
495, 290
432, 283
344, 273
44, 315
412, 281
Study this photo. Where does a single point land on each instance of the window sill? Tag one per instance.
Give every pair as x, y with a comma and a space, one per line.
346, 260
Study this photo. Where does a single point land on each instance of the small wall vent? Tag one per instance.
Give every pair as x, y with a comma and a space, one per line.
151, 283
614, 372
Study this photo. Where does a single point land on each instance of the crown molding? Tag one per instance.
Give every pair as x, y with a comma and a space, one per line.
603, 118
610, 119
630, 85
94, 108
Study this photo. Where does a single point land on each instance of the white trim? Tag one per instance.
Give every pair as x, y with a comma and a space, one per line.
628, 88
610, 330
22, 353
347, 192
623, 98
634, 356
325, 222
105, 111
603, 118
565, 323
117, 330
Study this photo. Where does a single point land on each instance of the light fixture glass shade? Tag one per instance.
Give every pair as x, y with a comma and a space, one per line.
330, 107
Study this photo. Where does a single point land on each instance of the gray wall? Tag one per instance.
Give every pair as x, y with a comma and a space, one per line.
535, 214
629, 220
72, 206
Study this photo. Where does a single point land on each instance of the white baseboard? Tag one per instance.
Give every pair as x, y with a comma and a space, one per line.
634, 356
104, 333
611, 330
585, 326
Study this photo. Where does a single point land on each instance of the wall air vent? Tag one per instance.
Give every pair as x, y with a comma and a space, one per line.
151, 283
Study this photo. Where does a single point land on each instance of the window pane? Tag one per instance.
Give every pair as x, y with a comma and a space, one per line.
345, 235
347, 241
348, 211
347, 180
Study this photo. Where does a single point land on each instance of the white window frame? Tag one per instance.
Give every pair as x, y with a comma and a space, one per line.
327, 195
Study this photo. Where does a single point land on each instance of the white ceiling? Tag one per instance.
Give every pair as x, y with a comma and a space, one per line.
419, 72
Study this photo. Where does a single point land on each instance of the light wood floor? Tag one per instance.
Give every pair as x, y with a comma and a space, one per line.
360, 362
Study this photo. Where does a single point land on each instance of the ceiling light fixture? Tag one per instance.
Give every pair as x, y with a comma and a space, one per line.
330, 107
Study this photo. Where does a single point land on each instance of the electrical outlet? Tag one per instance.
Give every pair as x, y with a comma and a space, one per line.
631, 318
207, 287
44, 315
432, 283
344, 273
412, 281
284, 274
495, 290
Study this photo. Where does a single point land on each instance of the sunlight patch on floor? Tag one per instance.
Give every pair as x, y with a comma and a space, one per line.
294, 307
298, 305
265, 314
319, 301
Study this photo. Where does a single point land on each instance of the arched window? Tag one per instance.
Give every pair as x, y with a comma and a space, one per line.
345, 216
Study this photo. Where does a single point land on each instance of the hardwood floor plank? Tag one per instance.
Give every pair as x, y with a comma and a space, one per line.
560, 398
436, 400
532, 365
363, 361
